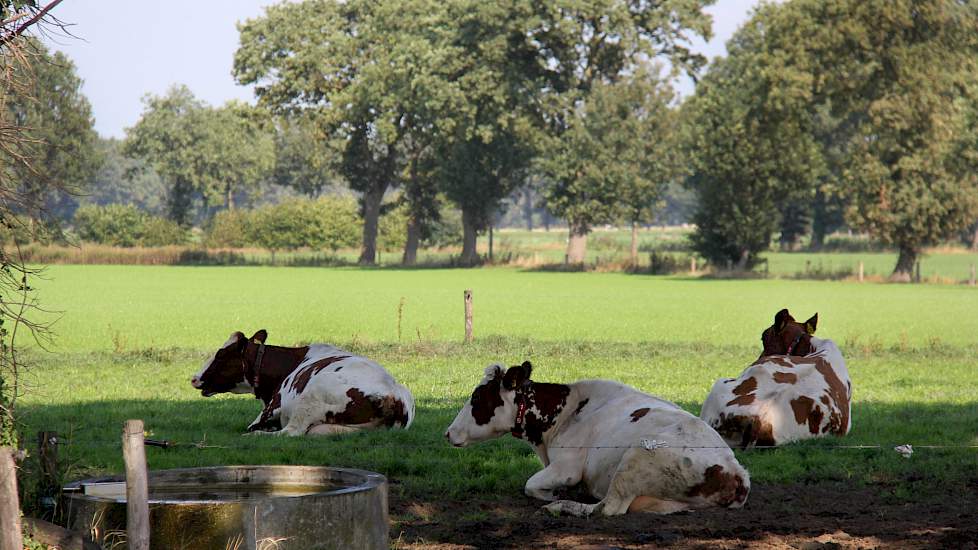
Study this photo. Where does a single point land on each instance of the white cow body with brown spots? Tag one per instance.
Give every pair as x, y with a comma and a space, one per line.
783, 398
333, 391
592, 432
316, 390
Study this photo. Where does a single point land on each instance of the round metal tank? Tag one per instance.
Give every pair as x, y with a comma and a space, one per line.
241, 508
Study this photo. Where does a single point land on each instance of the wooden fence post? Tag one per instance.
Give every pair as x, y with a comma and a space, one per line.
971, 281
692, 265
917, 276
47, 451
860, 272
10, 533
137, 485
468, 315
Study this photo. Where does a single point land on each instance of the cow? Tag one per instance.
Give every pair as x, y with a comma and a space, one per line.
600, 433
798, 388
317, 389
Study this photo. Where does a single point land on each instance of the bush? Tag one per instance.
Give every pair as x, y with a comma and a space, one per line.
159, 231
229, 229
127, 226
322, 224
392, 229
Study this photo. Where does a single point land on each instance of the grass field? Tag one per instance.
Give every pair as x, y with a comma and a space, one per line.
129, 338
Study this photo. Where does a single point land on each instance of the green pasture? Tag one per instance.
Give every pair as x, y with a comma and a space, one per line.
128, 338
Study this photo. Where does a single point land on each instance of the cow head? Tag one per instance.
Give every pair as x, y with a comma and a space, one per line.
490, 412
787, 336
224, 372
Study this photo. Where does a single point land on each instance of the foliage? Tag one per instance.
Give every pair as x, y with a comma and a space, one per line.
360, 71
126, 226
612, 159
26, 183
204, 152
746, 150
301, 161
872, 102
323, 224
229, 229
59, 126
123, 180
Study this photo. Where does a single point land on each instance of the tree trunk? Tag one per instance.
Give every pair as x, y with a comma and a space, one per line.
469, 235
371, 215
411, 244
743, 260
577, 243
903, 273
180, 201
634, 244
528, 208
230, 198
974, 239
546, 220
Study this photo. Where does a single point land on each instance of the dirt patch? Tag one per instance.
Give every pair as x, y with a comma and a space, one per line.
807, 517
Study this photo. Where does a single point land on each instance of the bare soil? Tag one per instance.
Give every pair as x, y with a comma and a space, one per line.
808, 517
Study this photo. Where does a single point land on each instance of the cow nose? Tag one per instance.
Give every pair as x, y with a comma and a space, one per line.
195, 382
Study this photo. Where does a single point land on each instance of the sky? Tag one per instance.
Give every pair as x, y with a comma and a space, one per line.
125, 49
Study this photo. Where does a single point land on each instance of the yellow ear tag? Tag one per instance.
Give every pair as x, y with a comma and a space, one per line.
809, 328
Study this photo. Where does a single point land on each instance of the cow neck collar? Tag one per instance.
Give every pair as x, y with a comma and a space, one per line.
794, 344
258, 359
522, 400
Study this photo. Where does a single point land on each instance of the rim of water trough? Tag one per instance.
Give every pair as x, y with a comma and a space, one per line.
368, 481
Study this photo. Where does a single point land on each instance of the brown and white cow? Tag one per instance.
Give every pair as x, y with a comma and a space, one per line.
798, 388
594, 432
317, 389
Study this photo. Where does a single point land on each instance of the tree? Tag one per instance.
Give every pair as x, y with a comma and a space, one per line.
165, 140
235, 151
122, 180
20, 154
202, 151
361, 70
301, 161
589, 45
610, 161
748, 151
58, 119
910, 177
898, 78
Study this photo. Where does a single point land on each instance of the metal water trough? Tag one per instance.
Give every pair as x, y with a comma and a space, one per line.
241, 507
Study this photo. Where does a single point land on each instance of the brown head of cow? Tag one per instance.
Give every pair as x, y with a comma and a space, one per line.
787, 336
225, 371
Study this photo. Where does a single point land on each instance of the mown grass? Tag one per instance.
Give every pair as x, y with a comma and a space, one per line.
130, 337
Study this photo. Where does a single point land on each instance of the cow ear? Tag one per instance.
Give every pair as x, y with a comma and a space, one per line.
260, 336
494, 371
781, 320
515, 376
811, 324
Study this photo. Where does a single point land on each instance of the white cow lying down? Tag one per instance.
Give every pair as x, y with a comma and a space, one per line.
592, 432
799, 388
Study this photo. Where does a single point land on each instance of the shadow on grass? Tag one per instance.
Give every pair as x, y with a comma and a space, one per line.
484, 480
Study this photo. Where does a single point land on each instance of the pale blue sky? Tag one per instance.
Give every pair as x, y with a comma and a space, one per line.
128, 48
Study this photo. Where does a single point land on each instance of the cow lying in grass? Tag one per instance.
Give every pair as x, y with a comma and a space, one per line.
592, 432
798, 388
317, 389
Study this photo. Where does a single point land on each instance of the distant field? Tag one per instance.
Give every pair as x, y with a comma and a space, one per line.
130, 337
